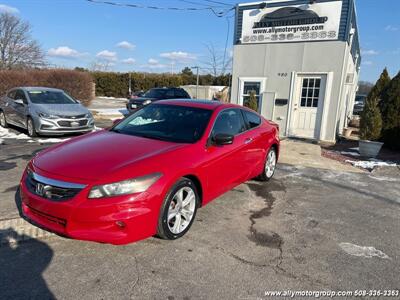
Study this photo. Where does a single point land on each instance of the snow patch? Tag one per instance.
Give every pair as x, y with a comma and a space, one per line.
349, 153
49, 140
371, 164
368, 252
112, 98
7, 134
110, 111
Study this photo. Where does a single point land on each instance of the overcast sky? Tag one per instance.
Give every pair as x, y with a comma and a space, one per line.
78, 33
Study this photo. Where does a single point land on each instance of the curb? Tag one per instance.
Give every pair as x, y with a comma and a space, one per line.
13, 231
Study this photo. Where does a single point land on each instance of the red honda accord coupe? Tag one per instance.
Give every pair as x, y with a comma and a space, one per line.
149, 173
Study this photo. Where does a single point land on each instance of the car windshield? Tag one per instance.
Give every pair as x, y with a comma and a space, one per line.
50, 97
155, 93
171, 123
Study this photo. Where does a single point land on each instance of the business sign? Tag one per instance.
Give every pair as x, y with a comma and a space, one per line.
295, 23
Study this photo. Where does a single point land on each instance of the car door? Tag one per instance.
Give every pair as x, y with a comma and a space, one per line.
257, 137
20, 109
226, 166
8, 107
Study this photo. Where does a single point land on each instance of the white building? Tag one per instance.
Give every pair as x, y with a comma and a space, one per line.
302, 59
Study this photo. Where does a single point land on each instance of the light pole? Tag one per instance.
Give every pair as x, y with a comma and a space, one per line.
197, 81
130, 84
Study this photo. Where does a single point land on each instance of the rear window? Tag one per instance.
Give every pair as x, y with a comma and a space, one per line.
181, 94
253, 119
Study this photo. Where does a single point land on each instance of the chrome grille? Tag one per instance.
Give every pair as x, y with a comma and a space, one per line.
51, 189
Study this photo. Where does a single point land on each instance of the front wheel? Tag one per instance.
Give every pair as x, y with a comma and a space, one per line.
30, 126
3, 121
269, 165
178, 210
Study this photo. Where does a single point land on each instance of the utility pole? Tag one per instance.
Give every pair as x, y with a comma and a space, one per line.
130, 84
197, 81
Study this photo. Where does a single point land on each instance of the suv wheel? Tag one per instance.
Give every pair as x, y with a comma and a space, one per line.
3, 121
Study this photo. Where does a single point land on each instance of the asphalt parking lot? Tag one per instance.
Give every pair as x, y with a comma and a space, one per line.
310, 228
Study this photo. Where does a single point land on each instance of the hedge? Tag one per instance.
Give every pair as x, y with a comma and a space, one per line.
112, 84
78, 84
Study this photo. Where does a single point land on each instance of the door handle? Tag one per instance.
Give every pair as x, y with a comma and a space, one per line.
248, 141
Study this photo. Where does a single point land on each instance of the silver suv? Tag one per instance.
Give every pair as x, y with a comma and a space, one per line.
44, 111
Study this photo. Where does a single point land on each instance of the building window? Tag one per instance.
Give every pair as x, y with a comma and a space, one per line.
248, 88
310, 92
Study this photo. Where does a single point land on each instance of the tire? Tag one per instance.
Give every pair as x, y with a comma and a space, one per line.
30, 126
175, 212
269, 166
3, 120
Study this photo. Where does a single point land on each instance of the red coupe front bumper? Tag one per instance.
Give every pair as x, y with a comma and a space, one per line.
116, 220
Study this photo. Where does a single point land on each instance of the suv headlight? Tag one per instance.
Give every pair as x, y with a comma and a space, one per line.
130, 186
47, 116
146, 102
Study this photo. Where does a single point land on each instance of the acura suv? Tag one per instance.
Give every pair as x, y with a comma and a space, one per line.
44, 111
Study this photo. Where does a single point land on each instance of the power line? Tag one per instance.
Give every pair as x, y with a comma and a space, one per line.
218, 2
200, 3
210, 8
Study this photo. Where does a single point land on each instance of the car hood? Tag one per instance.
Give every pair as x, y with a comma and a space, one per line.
93, 156
61, 109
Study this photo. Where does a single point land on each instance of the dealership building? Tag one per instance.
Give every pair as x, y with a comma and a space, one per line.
302, 60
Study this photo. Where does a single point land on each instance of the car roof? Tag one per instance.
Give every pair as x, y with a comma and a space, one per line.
199, 103
35, 88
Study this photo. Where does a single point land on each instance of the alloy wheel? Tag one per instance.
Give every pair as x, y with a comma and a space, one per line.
181, 210
30, 127
270, 164
2, 119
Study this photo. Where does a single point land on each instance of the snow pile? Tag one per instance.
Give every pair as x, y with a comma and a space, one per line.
7, 134
371, 164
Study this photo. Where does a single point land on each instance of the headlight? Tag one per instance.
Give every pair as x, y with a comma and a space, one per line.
146, 102
47, 116
130, 186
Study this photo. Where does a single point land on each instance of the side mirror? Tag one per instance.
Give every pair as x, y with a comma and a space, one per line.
19, 101
223, 139
116, 121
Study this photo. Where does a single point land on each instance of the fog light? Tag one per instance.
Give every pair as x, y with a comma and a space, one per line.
120, 224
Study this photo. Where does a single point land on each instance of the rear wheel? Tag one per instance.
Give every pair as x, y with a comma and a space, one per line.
30, 126
269, 165
178, 210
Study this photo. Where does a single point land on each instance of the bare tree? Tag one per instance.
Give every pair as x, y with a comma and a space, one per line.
17, 47
217, 62
101, 65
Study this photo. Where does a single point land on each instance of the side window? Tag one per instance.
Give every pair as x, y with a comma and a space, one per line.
181, 94
169, 94
11, 94
253, 120
20, 95
229, 121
